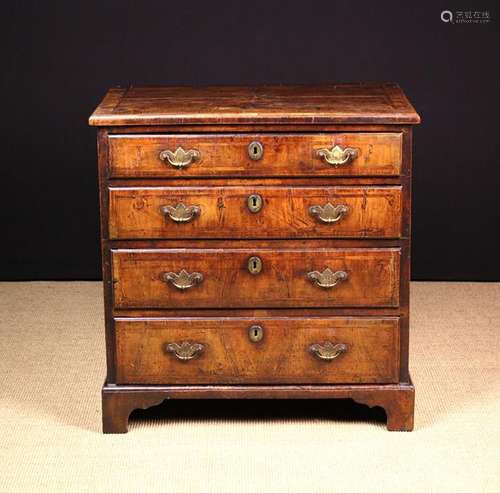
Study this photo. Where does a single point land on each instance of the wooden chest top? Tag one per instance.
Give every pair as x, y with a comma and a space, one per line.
375, 103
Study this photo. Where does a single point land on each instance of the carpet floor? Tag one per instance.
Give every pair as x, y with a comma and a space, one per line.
52, 367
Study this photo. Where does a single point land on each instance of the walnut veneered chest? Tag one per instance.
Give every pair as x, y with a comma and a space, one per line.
256, 244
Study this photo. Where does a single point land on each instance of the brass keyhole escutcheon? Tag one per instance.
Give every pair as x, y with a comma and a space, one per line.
254, 202
255, 150
254, 265
255, 333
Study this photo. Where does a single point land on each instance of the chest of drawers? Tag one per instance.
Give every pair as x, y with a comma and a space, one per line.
256, 244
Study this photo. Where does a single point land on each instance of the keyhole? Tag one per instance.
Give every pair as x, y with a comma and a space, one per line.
254, 265
255, 333
254, 203
255, 150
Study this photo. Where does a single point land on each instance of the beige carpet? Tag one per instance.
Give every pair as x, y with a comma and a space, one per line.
52, 367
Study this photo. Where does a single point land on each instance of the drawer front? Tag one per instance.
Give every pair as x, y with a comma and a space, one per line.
287, 350
259, 277
254, 212
367, 154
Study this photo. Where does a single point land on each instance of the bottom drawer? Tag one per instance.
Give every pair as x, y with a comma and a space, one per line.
257, 350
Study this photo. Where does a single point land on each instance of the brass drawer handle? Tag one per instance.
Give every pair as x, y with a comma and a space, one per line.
337, 155
180, 158
181, 213
327, 279
185, 350
329, 213
327, 351
183, 280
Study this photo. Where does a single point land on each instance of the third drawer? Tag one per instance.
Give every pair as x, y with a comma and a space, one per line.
256, 277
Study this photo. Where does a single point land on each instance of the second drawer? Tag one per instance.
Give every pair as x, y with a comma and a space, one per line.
256, 277
255, 212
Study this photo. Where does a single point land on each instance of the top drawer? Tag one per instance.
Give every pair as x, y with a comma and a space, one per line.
325, 154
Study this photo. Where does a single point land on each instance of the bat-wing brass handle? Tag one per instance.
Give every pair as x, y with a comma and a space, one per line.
337, 155
181, 213
327, 279
183, 280
180, 158
327, 351
329, 213
185, 350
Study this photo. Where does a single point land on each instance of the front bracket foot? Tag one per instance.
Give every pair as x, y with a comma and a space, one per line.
117, 406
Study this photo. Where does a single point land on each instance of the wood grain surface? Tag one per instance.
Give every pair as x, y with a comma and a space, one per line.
137, 155
373, 212
328, 104
283, 355
373, 278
